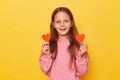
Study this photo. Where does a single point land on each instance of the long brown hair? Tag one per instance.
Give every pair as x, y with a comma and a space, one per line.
71, 34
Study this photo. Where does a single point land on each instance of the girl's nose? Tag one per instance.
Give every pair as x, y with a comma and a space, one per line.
62, 24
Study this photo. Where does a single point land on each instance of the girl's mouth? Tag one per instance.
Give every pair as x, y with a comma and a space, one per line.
62, 29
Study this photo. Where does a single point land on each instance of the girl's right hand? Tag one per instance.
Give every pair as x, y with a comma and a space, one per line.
46, 48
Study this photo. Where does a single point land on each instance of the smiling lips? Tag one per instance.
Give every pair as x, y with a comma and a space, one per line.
62, 29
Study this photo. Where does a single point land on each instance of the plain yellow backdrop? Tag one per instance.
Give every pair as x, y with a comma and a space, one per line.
22, 23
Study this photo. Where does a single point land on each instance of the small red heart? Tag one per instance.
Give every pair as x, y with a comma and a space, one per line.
46, 37
80, 37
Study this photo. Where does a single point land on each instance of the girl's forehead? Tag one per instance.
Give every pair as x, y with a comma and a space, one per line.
61, 14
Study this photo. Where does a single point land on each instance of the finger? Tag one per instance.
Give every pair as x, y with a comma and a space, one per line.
46, 47
43, 44
84, 45
46, 50
83, 49
46, 44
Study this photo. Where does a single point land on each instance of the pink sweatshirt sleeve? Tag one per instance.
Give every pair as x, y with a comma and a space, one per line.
81, 65
45, 63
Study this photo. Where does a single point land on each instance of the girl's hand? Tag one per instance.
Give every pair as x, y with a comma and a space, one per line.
83, 48
46, 48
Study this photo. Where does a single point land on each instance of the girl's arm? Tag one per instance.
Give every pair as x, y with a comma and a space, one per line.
81, 65
45, 63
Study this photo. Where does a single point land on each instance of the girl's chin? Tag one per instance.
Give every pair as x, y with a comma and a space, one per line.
63, 34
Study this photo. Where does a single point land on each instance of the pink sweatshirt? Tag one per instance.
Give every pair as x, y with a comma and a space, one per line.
60, 69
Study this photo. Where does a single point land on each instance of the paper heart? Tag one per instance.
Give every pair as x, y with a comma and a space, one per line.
46, 37
80, 37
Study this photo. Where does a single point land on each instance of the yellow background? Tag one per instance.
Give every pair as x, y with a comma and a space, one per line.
22, 23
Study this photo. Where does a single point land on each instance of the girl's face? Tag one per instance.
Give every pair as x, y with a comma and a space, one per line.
62, 23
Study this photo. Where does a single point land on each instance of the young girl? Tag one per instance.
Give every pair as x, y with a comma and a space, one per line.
63, 57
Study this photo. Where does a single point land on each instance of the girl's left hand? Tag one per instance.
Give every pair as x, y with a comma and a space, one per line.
83, 48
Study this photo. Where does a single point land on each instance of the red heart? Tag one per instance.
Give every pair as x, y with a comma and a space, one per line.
46, 37
80, 37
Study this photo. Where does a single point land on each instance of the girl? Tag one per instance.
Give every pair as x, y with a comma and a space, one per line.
63, 57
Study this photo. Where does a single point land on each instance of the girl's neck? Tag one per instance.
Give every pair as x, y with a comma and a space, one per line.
63, 37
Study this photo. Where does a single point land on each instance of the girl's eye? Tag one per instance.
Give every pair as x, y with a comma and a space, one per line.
66, 21
57, 21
